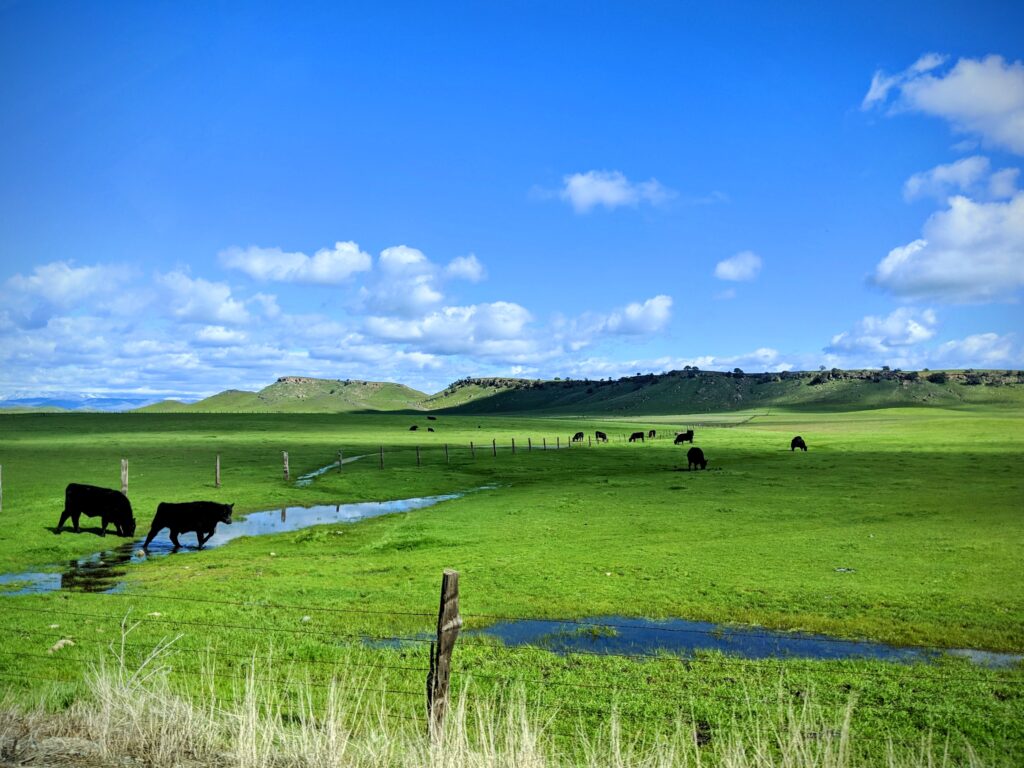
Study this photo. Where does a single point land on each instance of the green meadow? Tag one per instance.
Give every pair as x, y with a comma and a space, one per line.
900, 525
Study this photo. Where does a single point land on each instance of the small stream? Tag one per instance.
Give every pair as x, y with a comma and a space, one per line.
623, 635
104, 571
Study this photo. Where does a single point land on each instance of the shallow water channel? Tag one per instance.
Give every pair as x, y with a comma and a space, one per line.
104, 571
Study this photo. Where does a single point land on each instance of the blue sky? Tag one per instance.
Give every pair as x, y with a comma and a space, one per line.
196, 197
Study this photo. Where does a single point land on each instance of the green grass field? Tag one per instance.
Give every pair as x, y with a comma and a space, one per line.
921, 508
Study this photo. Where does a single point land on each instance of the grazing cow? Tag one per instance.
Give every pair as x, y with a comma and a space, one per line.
797, 442
601, 437
578, 437
695, 458
430, 429
414, 427
105, 503
652, 433
684, 437
636, 436
431, 418
199, 516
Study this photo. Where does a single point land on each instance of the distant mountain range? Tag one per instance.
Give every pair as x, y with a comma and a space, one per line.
686, 391
75, 403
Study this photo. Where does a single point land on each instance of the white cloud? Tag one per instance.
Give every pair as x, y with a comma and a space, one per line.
980, 97
902, 327
743, 266
29, 301
611, 189
465, 268
968, 252
328, 266
635, 318
200, 301
219, 336
979, 351
962, 175
1003, 184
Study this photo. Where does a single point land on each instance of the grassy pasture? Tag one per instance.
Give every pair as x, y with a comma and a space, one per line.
923, 505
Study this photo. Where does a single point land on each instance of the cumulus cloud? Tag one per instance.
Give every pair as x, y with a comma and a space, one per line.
902, 327
970, 251
219, 336
979, 351
980, 97
970, 175
328, 266
743, 266
610, 189
60, 286
200, 301
637, 318
465, 268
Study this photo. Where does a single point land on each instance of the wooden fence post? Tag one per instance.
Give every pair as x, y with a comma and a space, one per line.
472, 450
417, 455
216, 474
494, 447
513, 446
545, 443
558, 443
287, 472
446, 453
589, 444
382, 457
124, 477
448, 624
341, 460
529, 444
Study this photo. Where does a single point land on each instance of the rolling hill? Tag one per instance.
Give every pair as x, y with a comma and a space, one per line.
686, 391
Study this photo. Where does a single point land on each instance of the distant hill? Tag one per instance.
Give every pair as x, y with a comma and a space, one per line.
686, 391
300, 394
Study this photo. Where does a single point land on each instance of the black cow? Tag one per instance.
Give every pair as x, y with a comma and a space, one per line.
797, 442
636, 436
652, 433
414, 427
431, 418
430, 429
105, 503
578, 437
684, 437
199, 516
601, 437
695, 458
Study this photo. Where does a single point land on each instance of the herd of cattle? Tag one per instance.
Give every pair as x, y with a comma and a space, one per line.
201, 517
113, 508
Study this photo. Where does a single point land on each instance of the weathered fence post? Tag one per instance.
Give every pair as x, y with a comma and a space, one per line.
529, 444
448, 624
417, 455
472, 450
494, 447
446, 453
589, 443
558, 443
382, 457
513, 446
341, 460
545, 443
124, 477
287, 472
216, 474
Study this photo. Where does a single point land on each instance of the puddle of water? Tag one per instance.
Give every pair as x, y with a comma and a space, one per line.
622, 635
308, 478
103, 571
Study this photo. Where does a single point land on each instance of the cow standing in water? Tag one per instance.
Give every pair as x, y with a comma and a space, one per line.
695, 458
797, 442
199, 516
636, 436
108, 505
600, 437
578, 437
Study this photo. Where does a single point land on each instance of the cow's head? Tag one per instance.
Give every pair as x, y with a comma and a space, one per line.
225, 513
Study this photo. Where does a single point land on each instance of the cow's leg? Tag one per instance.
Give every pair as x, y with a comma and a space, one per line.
153, 531
64, 517
75, 516
201, 538
174, 540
